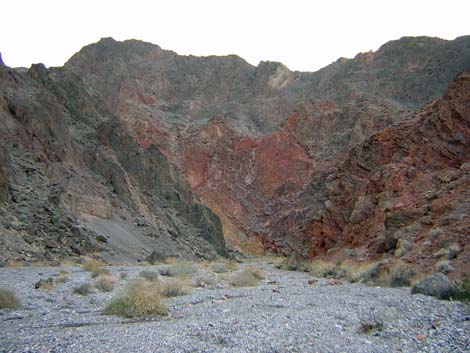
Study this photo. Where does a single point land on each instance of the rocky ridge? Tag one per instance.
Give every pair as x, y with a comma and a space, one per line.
73, 181
272, 151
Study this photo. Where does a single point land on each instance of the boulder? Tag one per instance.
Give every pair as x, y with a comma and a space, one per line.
436, 285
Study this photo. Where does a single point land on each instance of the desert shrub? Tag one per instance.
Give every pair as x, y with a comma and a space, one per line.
62, 277
99, 272
365, 273
204, 281
8, 299
400, 276
139, 298
225, 266
461, 291
173, 287
246, 278
122, 275
105, 283
368, 326
149, 275
91, 265
178, 269
47, 283
101, 238
84, 289
444, 266
320, 268
256, 272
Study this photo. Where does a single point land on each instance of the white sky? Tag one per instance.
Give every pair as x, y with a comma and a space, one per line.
304, 35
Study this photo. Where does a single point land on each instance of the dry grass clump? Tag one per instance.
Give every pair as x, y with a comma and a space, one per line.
462, 290
204, 281
179, 269
84, 289
173, 287
91, 265
62, 277
8, 299
322, 268
256, 272
96, 267
398, 276
46, 284
105, 283
99, 272
139, 298
247, 278
225, 266
151, 276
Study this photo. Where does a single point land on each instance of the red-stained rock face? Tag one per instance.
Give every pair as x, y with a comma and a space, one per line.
308, 163
402, 193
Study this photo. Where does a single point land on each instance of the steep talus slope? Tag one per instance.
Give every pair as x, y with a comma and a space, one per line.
70, 174
250, 138
403, 192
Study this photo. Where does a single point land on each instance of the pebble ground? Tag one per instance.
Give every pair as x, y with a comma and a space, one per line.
286, 312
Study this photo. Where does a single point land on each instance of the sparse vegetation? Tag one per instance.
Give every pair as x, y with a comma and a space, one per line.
101, 238
370, 326
122, 275
257, 272
105, 283
8, 299
321, 268
462, 291
178, 269
399, 276
62, 277
139, 298
99, 272
247, 278
225, 266
173, 287
151, 276
84, 289
91, 265
204, 281
46, 284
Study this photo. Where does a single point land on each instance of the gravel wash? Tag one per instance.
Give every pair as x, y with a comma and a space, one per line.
286, 312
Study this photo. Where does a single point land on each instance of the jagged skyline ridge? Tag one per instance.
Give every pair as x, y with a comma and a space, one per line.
305, 36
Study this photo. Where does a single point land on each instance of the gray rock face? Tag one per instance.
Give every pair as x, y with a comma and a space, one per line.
436, 285
66, 161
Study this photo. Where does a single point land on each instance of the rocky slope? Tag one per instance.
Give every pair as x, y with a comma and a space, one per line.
263, 146
73, 182
403, 192
250, 139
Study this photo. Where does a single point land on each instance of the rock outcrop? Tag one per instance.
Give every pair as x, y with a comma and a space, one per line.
294, 163
73, 182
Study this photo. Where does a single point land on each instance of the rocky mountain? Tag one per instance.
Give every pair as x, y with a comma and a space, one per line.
267, 149
74, 182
